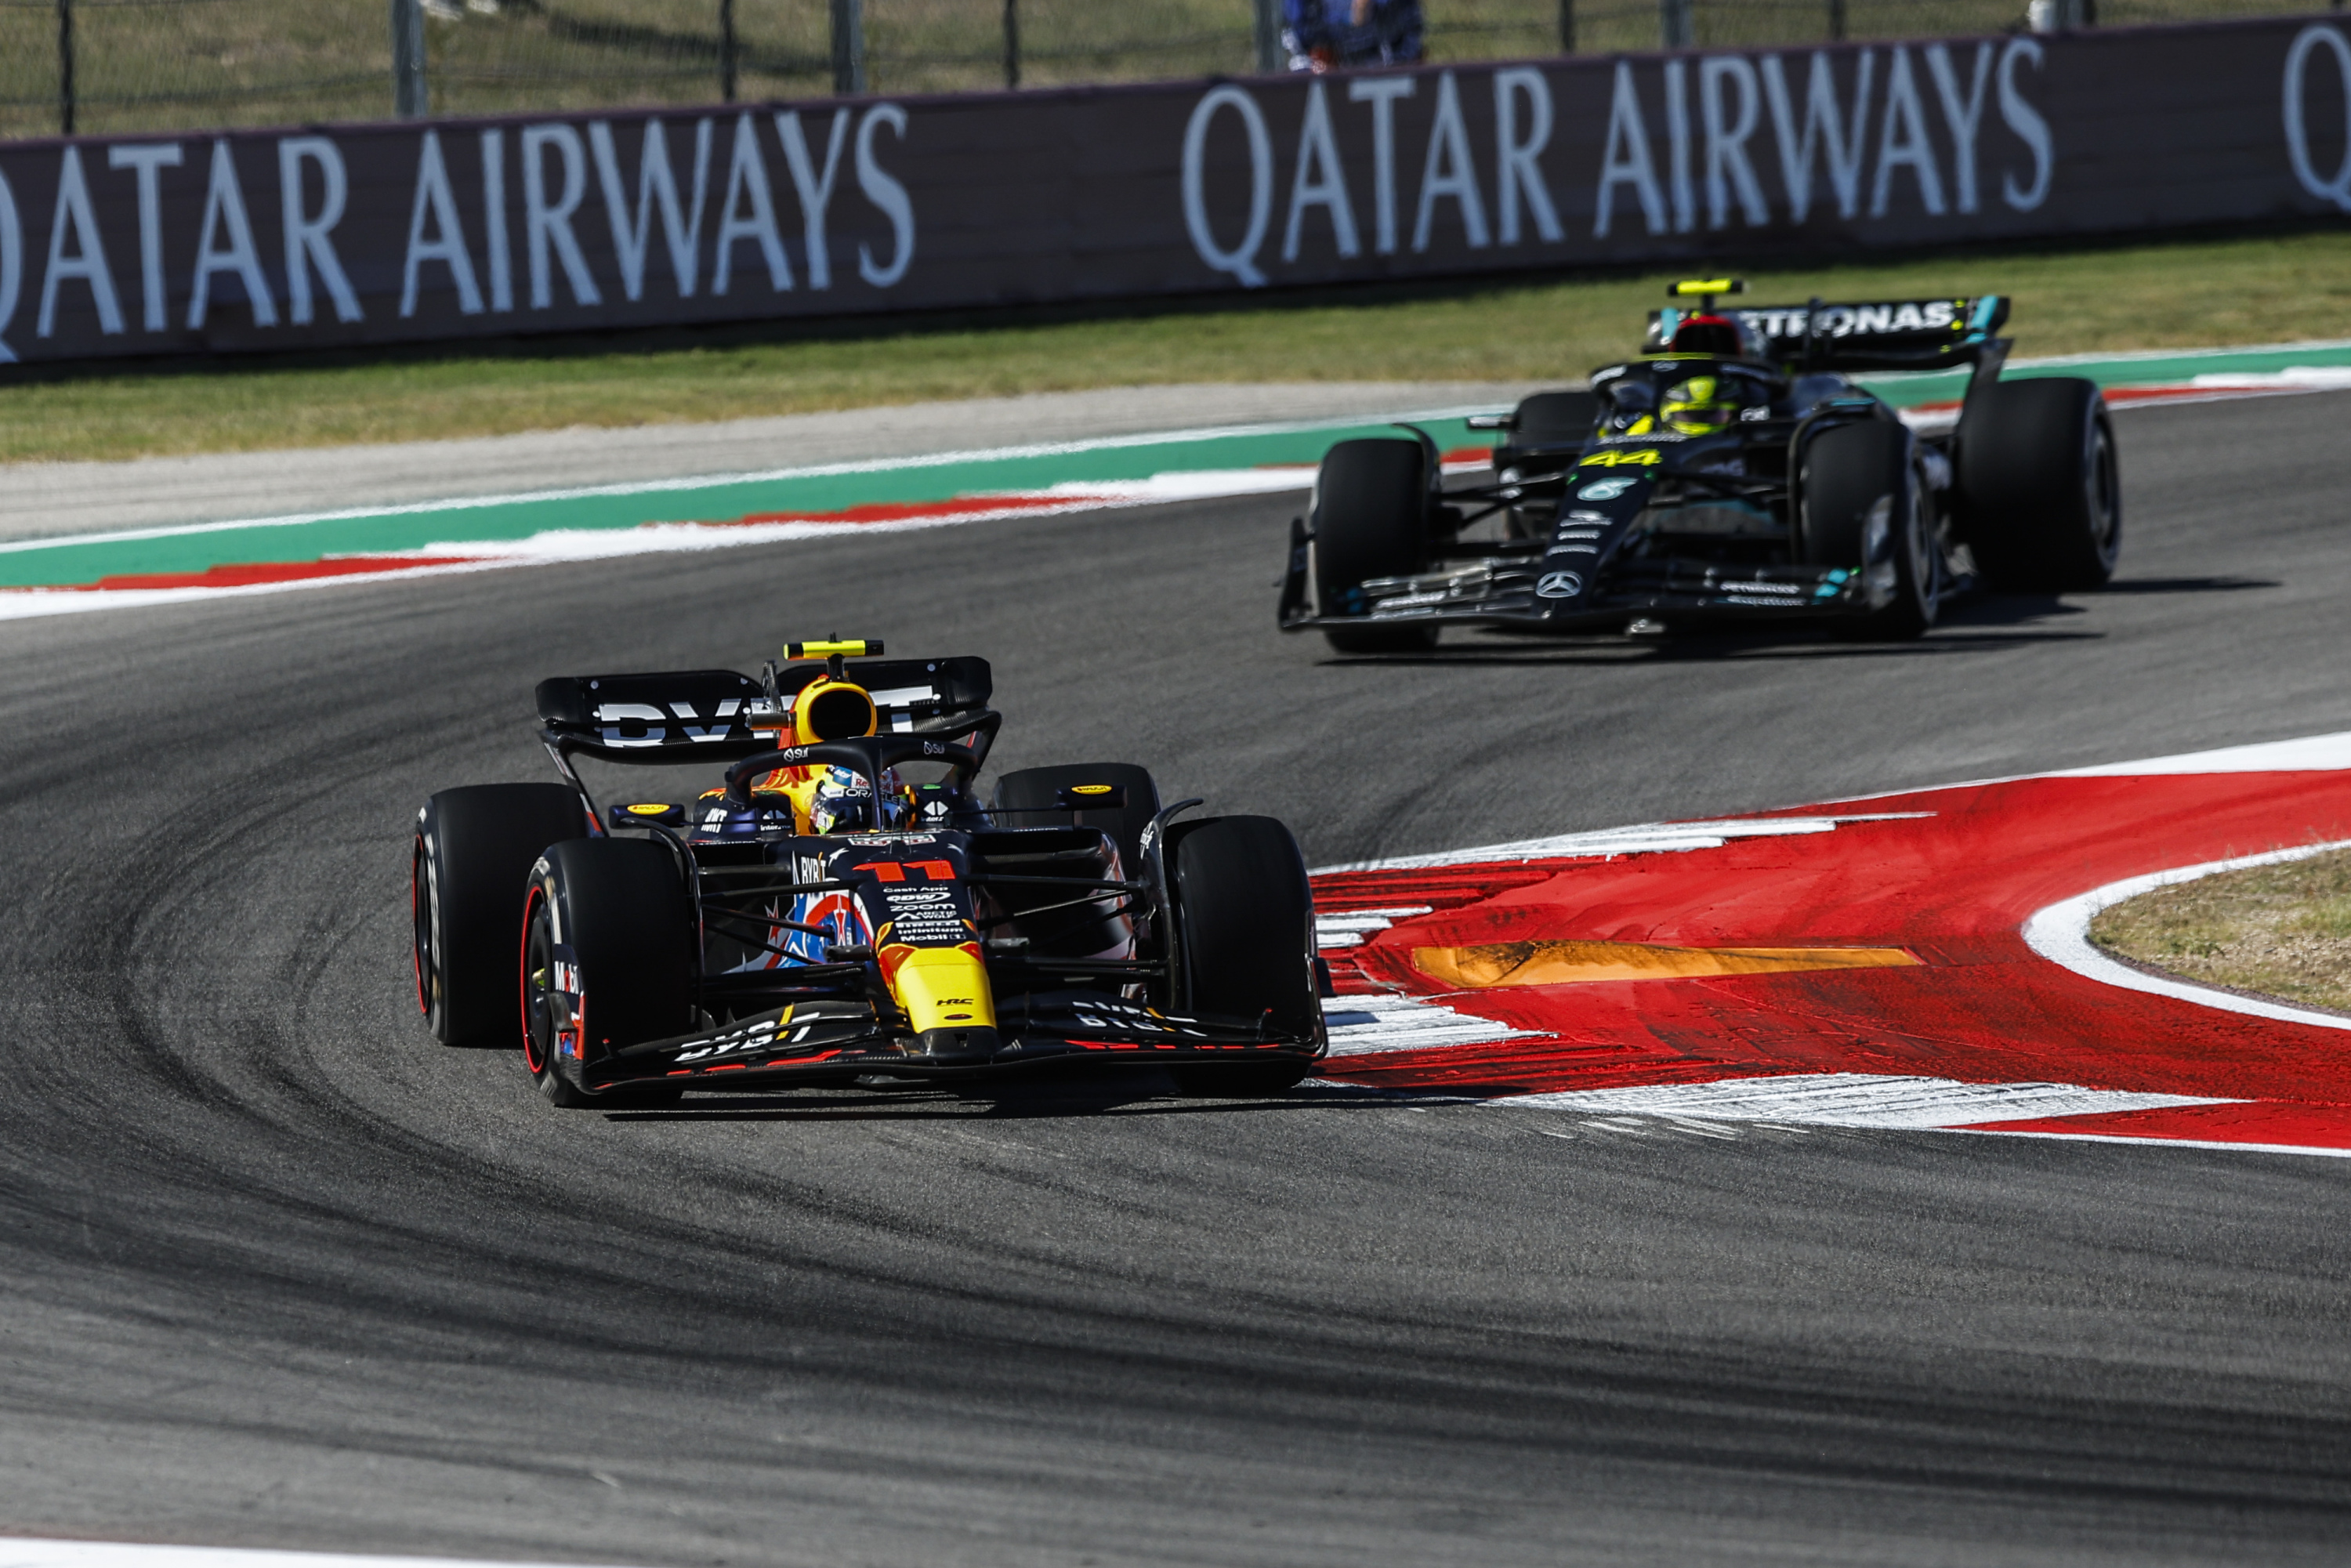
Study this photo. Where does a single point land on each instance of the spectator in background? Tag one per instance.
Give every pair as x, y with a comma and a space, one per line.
1332, 35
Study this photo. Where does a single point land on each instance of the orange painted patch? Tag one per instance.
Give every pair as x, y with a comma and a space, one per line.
1583, 963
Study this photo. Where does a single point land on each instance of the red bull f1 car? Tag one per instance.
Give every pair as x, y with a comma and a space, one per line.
820, 913
1734, 473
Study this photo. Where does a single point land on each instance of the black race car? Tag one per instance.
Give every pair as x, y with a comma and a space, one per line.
822, 917
1733, 473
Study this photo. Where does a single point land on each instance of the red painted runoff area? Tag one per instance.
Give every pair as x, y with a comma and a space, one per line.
1948, 876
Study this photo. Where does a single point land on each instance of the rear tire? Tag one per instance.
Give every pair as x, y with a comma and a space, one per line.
1245, 943
2040, 490
1032, 788
467, 875
1847, 472
615, 914
1372, 501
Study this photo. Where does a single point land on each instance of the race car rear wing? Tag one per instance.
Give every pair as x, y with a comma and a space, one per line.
1888, 335
704, 716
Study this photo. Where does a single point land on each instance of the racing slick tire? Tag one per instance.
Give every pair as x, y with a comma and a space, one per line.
1245, 943
616, 912
1549, 423
1372, 501
1847, 473
472, 861
2040, 492
1031, 796
1546, 436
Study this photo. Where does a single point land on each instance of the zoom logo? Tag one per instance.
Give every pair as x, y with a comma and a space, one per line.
1559, 585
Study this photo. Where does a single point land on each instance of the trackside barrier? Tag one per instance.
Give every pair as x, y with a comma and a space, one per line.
405, 231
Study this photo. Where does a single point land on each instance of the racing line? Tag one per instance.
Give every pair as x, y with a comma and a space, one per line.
1666, 1202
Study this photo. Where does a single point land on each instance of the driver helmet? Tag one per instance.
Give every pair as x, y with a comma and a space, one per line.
1700, 406
842, 802
1711, 334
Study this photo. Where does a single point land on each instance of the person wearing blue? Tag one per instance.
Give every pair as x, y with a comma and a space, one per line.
1332, 35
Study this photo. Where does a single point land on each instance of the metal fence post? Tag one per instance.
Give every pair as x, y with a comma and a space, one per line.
1673, 24
409, 101
847, 45
64, 68
1011, 44
726, 51
1836, 20
1567, 27
1268, 36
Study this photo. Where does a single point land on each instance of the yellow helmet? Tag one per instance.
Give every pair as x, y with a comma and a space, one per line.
1696, 407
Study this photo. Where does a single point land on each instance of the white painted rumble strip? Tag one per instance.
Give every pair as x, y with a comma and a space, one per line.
2061, 934
1350, 928
760, 476
38, 1553
1362, 1026
1853, 1100
1648, 838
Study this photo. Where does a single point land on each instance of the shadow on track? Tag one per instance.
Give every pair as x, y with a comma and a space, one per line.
1698, 649
1146, 1094
1991, 622
2189, 585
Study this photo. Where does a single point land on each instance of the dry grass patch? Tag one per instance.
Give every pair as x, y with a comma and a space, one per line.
2282, 930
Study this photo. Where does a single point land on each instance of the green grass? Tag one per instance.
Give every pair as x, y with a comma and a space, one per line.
2283, 930
2267, 288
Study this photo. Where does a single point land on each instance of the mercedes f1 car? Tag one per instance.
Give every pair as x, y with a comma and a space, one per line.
822, 917
1733, 473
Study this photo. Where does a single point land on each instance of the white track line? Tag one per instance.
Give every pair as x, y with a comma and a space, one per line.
1854, 1100
1350, 928
1648, 838
2061, 934
759, 476
2309, 754
40, 1554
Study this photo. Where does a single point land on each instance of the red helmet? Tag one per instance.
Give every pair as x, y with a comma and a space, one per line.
1711, 334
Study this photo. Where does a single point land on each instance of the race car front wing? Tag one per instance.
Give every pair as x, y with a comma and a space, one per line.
838, 1040
1537, 593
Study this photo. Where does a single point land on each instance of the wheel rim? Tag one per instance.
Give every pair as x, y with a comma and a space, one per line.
2103, 490
423, 909
1924, 557
538, 1003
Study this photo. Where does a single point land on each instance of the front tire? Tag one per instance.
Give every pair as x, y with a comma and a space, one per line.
2040, 489
467, 874
1866, 507
1030, 797
1547, 431
607, 962
1372, 502
1244, 943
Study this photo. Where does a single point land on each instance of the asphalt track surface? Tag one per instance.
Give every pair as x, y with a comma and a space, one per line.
274, 1269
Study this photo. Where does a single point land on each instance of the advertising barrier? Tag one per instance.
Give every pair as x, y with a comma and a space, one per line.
338, 234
